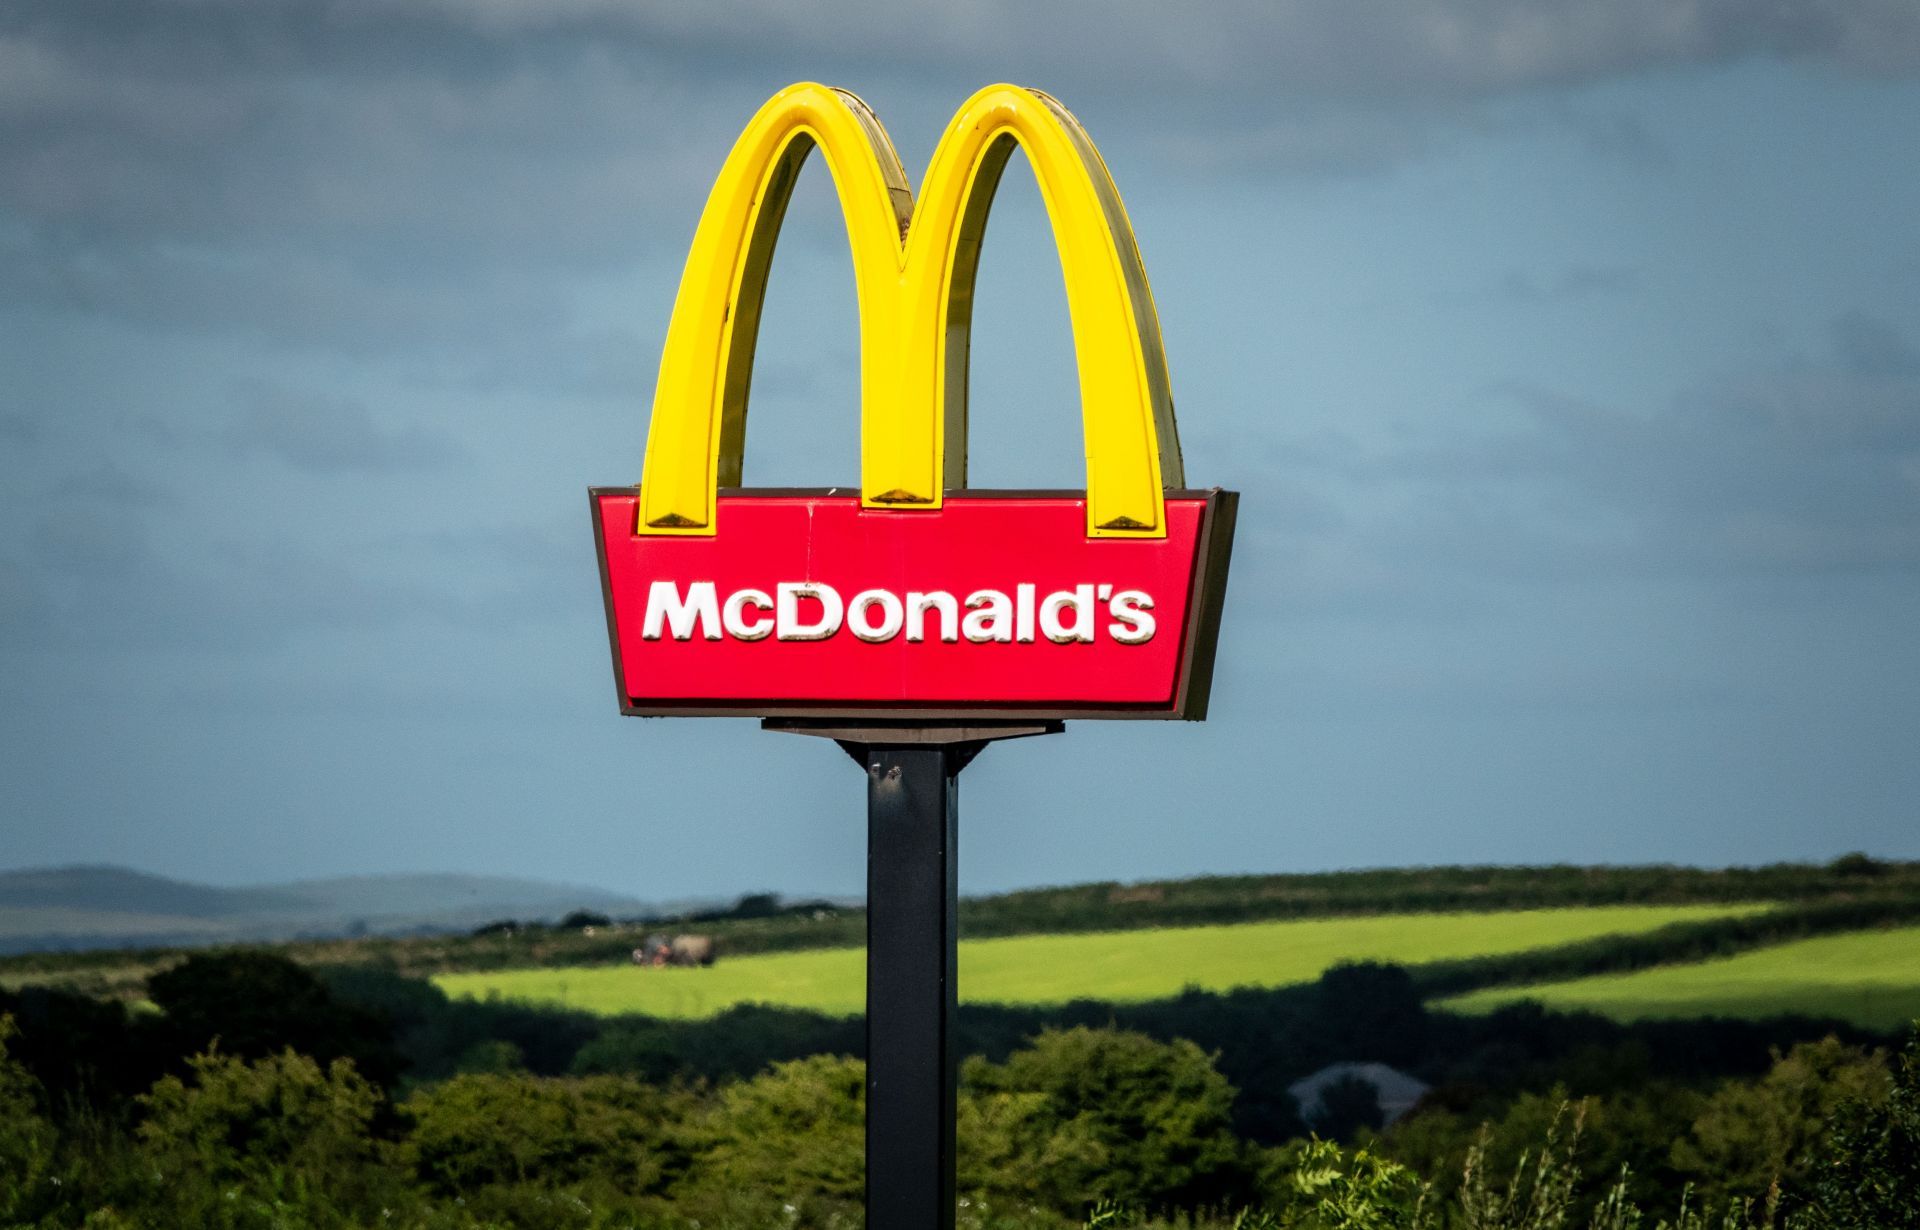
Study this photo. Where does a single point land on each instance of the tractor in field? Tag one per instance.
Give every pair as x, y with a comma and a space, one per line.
660, 951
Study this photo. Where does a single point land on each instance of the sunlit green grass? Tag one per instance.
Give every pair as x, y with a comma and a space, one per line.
1117, 966
1869, 977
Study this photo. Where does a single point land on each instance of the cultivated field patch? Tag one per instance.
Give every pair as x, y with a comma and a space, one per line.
1869, 977
1115, 966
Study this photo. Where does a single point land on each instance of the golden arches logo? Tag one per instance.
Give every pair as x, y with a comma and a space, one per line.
914, 267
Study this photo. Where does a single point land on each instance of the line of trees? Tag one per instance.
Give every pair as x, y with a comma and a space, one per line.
405, 1096
1215, 899
1100, 1127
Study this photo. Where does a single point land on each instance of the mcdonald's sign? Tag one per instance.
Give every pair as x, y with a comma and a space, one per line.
917, 598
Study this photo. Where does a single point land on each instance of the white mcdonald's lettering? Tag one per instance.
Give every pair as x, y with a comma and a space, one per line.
788, 626
1065, 616
733, 615
918, 604
893, 615
665, 606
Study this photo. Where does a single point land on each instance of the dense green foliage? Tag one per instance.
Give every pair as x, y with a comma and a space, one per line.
1748, 1135
494, 1129
239, 1135
100, 1054
1261, 1040
508, 1115
1104, 1114
26, 1140
1865, 1171
1097, 1127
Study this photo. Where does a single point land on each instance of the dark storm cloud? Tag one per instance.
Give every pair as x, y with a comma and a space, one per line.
208, 116
1576, 282
1807, 468
328, 435
267, 170
1611, 134
1870, 347
96, 577
230, 123
20, 598
532, 572
111, 485
1318, 47
359, 305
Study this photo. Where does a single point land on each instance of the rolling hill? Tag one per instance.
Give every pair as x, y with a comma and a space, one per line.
60, 908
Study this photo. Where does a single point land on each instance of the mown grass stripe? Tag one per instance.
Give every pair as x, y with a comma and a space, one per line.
1675, 944
1119, 966
1869, 977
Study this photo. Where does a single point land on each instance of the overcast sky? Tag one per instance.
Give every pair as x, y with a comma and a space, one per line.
1567, 358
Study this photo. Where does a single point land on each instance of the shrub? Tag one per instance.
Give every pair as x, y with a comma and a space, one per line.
256, 1004
26, 1138
1371, 1011
1336, 1190
491, 1129
1753, 1134
797, 1130
1866, 1172
1120, 1117
243, 1139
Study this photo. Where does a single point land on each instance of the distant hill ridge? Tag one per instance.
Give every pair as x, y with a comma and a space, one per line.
122, 890
107, 906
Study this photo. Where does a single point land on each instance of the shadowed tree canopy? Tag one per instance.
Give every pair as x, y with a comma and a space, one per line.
255, 1004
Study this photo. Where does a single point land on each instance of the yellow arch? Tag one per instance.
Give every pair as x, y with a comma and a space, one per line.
913, 275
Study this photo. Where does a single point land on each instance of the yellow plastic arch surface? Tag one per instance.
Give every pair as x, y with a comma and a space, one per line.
914, 276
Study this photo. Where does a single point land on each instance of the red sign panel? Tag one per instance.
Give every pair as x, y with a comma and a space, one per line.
994, 606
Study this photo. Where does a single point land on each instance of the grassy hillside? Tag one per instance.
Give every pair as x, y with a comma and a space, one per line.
1124, 966
416, 924
1870, 977
1848, 894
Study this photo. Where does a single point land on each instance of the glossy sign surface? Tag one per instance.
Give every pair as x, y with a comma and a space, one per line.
1096, 663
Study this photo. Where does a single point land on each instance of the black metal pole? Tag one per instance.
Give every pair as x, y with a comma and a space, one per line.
913, 933
912, 980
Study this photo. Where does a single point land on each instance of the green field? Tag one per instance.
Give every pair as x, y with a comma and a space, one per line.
1869, 977
1117, 966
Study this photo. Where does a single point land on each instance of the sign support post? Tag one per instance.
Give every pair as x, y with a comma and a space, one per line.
913, 797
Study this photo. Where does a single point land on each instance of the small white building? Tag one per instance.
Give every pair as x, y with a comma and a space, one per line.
1395, 1091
